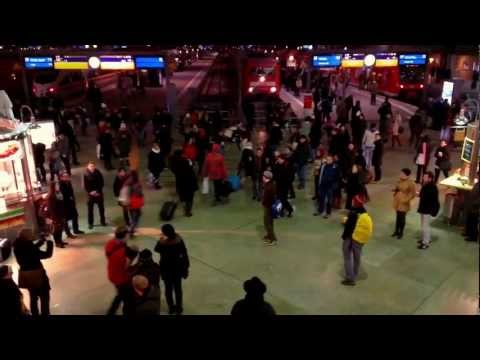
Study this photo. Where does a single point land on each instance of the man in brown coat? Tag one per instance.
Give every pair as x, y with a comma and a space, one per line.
403, 194
267, 202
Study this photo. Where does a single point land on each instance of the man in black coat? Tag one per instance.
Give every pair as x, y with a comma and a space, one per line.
39, 157
105, 140
185, 178
377, 157
67, 130
93, 184
70, 205
253, 305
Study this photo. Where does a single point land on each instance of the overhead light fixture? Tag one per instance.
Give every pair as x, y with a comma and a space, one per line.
94, 62
369, 60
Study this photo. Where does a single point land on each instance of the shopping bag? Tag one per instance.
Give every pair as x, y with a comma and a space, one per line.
205, 186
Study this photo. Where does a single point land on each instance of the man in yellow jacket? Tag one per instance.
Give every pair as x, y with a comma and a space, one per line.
357, 232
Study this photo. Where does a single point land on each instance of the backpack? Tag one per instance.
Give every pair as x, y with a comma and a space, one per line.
363, 229
277, 208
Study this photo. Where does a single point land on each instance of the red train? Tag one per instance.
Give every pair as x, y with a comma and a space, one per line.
261, 76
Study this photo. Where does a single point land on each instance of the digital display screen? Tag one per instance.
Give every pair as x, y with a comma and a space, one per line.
467, 150
149, 62
38, 62
117, 62
413, 59
326, 60
353, 60
66, 62
386, 60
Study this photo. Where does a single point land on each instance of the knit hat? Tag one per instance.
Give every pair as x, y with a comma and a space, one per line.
268, 174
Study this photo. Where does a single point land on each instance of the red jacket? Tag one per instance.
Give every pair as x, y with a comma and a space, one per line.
214, 166
190, 151
117, 262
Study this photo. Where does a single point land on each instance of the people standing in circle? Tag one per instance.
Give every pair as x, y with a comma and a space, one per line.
174, 266
70, 204
422, 157
93, 184
253, 305
32, 275
442, 160
403, 194
428, 207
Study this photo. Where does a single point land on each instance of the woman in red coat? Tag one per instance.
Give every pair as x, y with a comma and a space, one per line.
214, 168
190, 150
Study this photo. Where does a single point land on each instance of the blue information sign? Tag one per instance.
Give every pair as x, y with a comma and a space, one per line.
149, 62
327, 60
38, 62
413, 59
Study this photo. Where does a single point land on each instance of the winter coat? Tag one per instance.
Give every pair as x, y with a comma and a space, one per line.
174, 261
57, 210
247, 163
39, 153
69, 200
385, 110
283, 174
302, 154
185, 177
118, 184
106, 143
377, 153
252, 307
136, 305
63, 146
429, 204
190, 151
329, 176
442, 162
124, 143
11, 305
117, 262
147, 268
427, 153
93, 181
156, 162
269, 194
404, 193
214, 166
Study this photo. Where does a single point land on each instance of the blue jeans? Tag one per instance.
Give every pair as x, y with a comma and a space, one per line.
352, 252
134, 219
325, 196
302, 174
368, 154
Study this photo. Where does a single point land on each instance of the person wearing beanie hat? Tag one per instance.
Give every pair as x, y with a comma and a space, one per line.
269, 195
354, 239
253, 304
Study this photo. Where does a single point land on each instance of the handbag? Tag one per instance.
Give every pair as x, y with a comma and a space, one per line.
205, 186
31, 279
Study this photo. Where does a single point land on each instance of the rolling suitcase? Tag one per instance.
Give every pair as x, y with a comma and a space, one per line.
168, 210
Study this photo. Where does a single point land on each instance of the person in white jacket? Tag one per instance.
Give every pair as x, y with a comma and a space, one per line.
396, 125
368, 144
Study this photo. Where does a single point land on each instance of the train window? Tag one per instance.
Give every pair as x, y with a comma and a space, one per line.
262, 71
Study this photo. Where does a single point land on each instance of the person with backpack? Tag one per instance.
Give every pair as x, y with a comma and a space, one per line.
156, 164
403, 194
269, 196
428, 207
174, 266
253, 305
358, 230
119, 257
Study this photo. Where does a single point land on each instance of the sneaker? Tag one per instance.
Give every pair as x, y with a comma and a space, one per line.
395, 234
423, 246
90, 227
271, 243
316, 214
79, 232
326, 216
348, 282
399, 236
